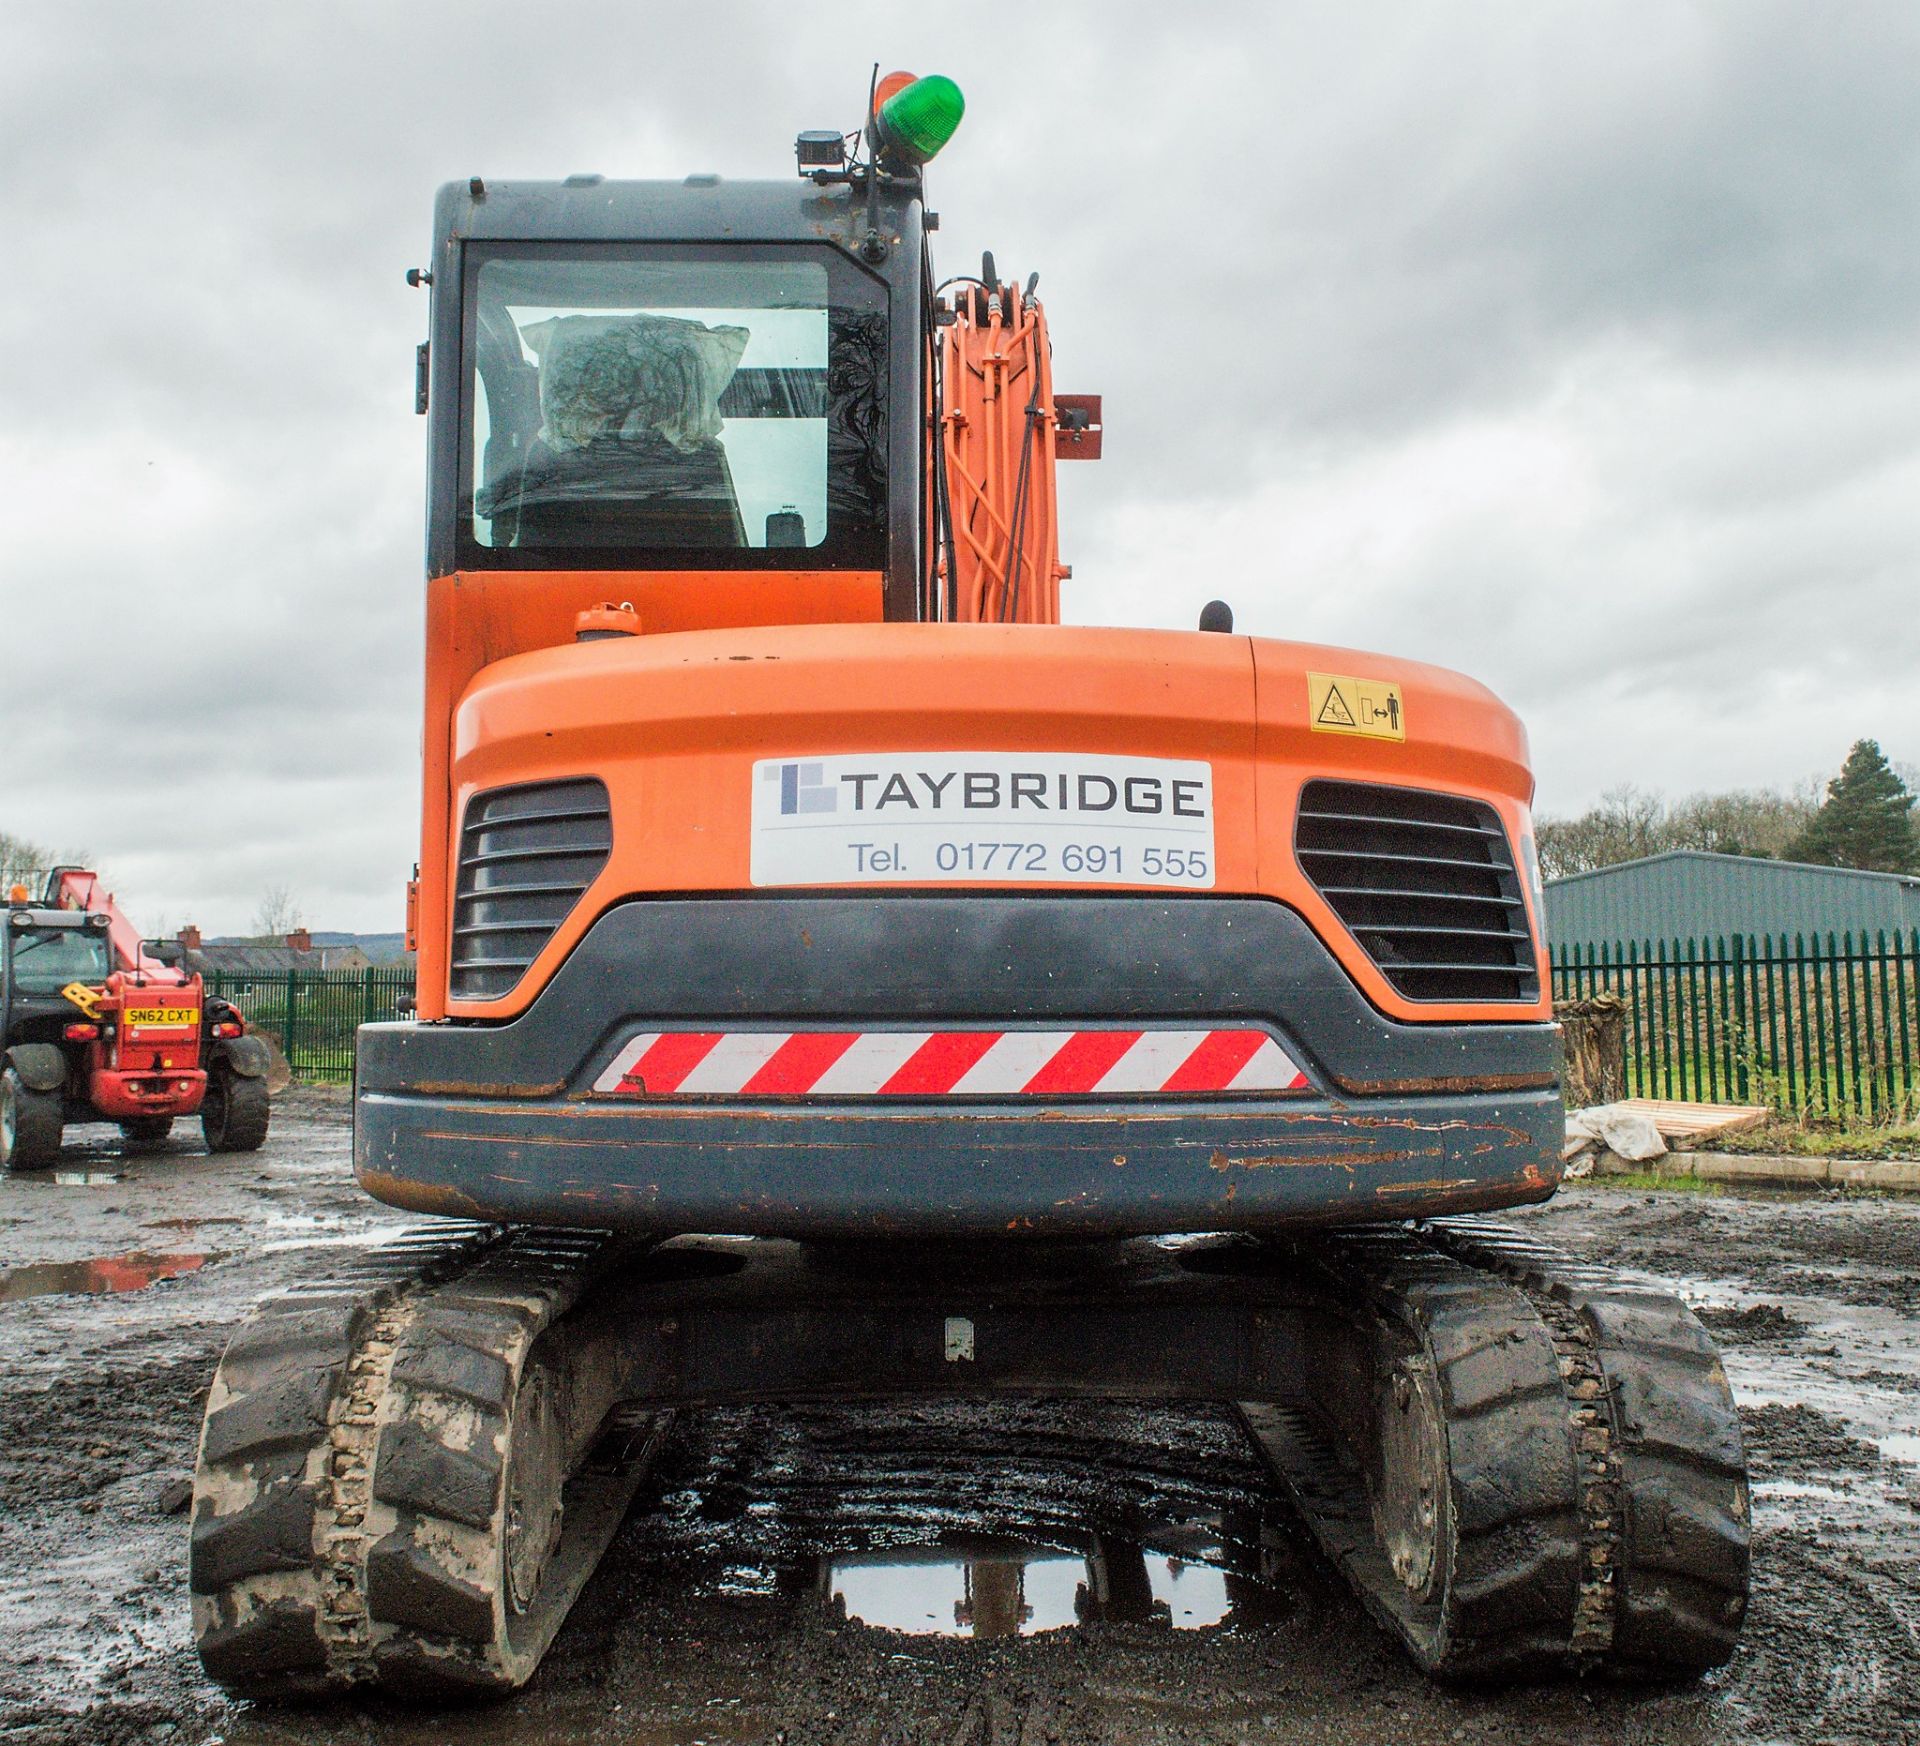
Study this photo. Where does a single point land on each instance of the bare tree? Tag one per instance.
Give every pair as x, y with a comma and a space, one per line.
1745, 822
22, 863
277, 916
1629, 825
25, 863
1626, 825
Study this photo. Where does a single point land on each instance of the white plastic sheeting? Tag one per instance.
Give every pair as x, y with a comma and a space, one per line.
632, 374
1610, 1127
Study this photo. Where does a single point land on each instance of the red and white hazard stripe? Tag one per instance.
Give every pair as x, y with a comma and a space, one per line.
973, 1063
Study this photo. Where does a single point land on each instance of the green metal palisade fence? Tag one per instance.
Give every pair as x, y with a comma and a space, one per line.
1827, 1027
1814, 1027
314, 1013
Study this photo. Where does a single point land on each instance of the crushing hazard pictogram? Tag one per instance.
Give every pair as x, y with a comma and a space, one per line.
1339, 703
1334, 712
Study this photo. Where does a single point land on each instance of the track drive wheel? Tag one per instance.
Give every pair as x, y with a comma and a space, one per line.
233, 1116
403, 1481
31, 1123
144, 1131
1436, 1465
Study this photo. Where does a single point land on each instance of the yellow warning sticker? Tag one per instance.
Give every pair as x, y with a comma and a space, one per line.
1337, 703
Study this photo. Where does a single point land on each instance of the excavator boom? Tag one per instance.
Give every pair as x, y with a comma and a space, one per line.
1001, 431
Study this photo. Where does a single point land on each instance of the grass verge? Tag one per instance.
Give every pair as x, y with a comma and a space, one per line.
1647, 1179
1783, 1136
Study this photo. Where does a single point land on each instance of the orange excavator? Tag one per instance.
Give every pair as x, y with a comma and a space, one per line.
840, 979
95, 1027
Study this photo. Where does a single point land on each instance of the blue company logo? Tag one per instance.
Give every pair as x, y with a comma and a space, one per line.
803, 788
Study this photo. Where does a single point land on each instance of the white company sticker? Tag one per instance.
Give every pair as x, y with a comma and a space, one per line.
1041, 818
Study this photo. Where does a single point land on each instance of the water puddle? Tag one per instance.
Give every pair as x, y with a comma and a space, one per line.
1790, 1490
1002, 1588
87, 1178
369, 1237
981, 1519
130, 1272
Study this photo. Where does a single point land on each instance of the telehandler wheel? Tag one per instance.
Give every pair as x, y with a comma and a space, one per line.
30, 1124
234, 1114
145, 1131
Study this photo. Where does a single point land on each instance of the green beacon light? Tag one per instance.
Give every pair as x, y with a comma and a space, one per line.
916, 121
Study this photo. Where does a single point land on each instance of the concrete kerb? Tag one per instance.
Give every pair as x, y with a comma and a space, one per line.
1896, 1175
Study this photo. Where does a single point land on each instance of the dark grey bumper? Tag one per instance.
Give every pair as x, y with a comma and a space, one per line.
824, 1170
1407, 1120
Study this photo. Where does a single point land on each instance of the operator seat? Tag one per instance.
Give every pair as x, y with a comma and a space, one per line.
621, 490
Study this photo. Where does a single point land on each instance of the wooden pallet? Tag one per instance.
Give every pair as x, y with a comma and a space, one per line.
1694, 1122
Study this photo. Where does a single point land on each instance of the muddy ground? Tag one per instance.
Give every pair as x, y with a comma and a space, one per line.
837, 1576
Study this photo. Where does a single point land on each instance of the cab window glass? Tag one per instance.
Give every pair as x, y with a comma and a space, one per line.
658, 401
45, 960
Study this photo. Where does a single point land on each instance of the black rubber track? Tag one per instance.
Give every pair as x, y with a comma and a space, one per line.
352, 1505
439, 1481
1505, 1611
264, 1477
1600, 1507
1685, 1537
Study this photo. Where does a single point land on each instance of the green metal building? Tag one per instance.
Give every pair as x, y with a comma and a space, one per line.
1688, 894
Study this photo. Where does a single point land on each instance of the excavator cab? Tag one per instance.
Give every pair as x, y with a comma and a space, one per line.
695, 379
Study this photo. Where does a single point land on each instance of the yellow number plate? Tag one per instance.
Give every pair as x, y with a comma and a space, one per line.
175, 1016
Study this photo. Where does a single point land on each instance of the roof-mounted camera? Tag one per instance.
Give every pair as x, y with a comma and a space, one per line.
820, 149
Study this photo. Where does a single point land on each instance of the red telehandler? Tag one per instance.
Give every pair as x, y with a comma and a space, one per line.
94, 1027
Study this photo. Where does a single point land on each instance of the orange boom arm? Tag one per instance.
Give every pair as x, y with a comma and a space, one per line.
1001, 429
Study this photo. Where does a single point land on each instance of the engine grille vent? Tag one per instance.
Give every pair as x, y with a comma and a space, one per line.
526, 855
1426, 884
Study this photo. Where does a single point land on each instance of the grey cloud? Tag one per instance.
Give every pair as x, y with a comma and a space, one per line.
1299, 250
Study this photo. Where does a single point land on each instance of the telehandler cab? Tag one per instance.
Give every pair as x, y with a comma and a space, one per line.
790, 872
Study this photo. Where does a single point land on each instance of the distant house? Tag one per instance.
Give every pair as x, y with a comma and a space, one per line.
1688, 894
232, 958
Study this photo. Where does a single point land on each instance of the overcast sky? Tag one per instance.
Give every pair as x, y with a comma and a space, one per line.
1574, 346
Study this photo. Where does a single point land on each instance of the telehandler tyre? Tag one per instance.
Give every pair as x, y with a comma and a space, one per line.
30, 1124
143, 1132
234, 1115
